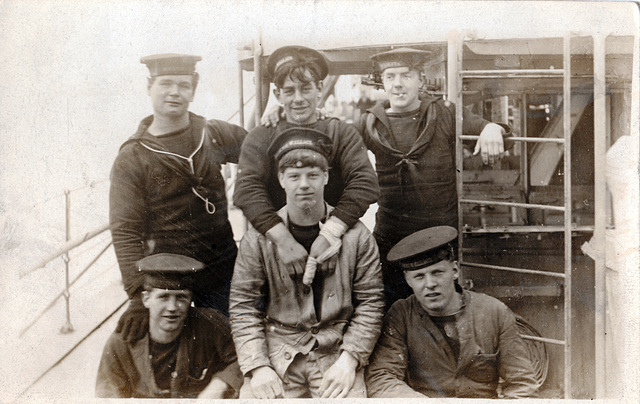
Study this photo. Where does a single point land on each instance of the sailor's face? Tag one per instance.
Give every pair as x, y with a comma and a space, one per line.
171, 95
304, 186
402, 85
300, 99
434, 287
167, 310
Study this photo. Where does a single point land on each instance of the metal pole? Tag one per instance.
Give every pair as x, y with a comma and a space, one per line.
454, 80
567, 214
524, 158
257, 70
600, 200
67, 327
240, 93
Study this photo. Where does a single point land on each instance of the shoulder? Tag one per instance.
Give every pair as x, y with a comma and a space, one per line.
217, 124
260, 132
486, 303
399, 314
357, 232
116, 345
208, 319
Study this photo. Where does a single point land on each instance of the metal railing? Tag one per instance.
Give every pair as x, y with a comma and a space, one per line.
456, 76
63, 253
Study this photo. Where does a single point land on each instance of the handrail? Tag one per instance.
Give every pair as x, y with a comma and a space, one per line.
61, 294
66, 247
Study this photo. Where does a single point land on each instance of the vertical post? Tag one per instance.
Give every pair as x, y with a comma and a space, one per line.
257, 70
454, 87
524, 152
567, 214
240, 93
600, 199
67, 327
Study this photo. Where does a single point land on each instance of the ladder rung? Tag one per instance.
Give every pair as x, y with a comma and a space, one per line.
514, 204
521, 139
527, 229
517, 270
529, 73
549, 340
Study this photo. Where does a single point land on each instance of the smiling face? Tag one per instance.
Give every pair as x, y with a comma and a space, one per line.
402, 85
167, 312
171, 95
299, 98
434, 287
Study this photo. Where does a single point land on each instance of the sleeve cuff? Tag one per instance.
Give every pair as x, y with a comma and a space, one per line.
231, 375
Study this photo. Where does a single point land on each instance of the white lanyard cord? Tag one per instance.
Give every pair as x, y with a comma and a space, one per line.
209, 206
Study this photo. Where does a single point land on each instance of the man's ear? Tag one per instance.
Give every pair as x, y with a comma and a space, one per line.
456, 270
149, 84
281, 179
326, 177
276, 93
145, 298
319, 84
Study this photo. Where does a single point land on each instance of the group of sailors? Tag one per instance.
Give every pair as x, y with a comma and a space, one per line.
311, 304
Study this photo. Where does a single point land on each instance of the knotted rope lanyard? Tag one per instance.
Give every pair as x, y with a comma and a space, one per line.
208, 205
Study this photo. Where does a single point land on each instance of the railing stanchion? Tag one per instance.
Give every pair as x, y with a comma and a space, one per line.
67, 327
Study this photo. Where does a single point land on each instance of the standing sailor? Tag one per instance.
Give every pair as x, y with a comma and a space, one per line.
167, 192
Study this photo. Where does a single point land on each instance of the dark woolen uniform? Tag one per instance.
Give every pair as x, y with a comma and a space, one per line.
154, 209
444, 350
184, 365
168, 196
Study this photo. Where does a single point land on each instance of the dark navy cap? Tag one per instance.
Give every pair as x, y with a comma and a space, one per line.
169, 271
166, 64
297, 54
423, 248
401, 57
300, 138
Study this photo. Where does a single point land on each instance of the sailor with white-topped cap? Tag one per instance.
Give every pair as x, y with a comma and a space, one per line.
188, 352
413, 139
443, 341
168, 193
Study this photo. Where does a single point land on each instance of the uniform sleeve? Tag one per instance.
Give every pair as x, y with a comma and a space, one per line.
361, 183
387, 372
515, 366
127, 217
473, 124
112, 380
230, 139
225, 357
254, 170
368, 300
246, 306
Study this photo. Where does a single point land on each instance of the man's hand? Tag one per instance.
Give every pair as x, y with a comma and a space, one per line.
276, 113
217, 388
272, 116
319, 246
490, 144
134, 322
339, 378
265, 383
291, 253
